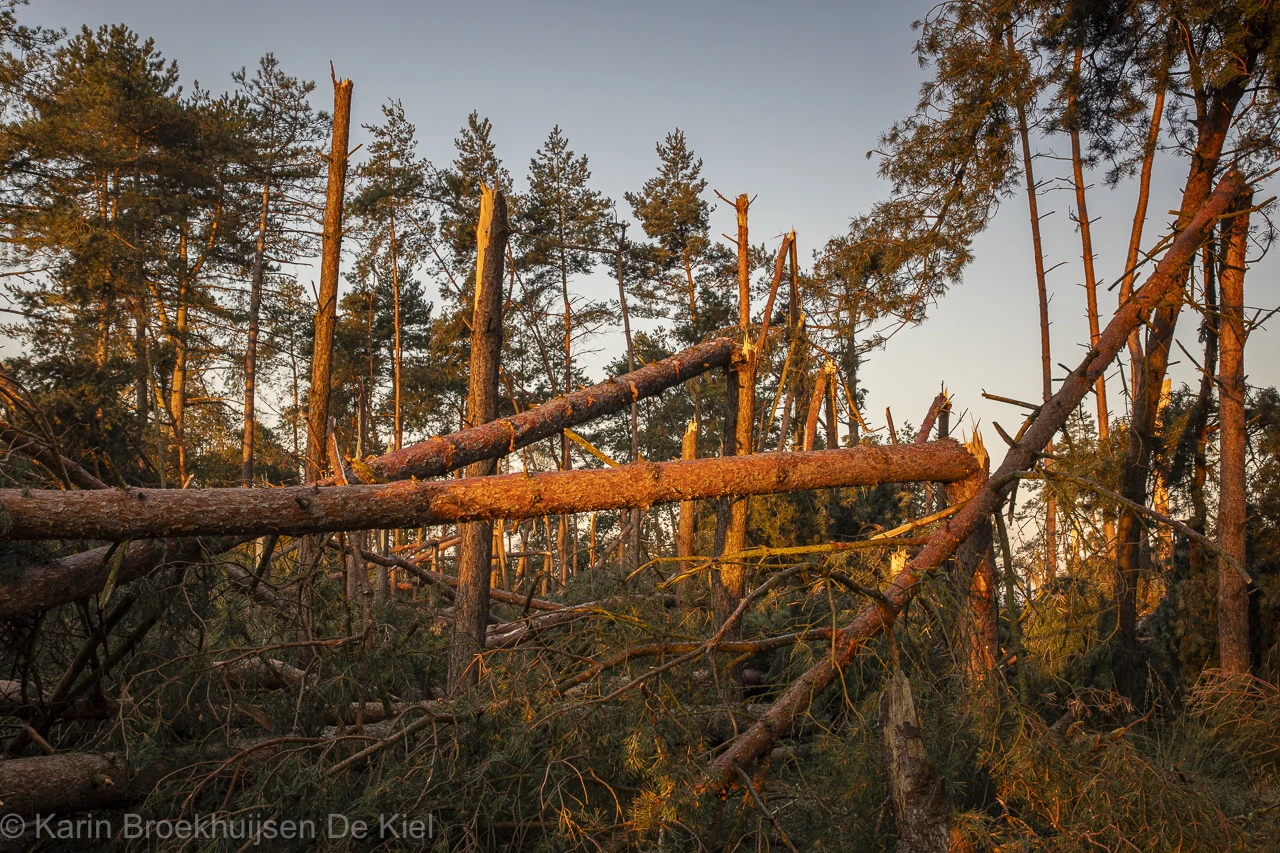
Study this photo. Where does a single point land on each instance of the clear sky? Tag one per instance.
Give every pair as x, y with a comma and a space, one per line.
781, 100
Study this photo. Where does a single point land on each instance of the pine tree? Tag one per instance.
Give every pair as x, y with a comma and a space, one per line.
392, 181
285, 167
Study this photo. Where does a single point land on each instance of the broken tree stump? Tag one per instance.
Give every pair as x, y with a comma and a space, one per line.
917, 792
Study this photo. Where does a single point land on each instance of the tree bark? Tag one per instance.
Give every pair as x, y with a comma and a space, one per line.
1233, 595
472, 607
918, 793
815, 405
1091, 294
731, 576
976, 589
688, 519
1164, 284
327, 304
118, 514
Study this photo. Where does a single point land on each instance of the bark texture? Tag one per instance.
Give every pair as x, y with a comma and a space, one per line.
918, 793
441, 454
1233, 595
119, 514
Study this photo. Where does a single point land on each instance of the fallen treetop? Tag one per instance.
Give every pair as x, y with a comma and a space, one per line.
1164, 284
494, 439
120, 514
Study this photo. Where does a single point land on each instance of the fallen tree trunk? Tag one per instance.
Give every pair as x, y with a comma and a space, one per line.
119, 514
495, 439
1163, 285
72, 781
54, 582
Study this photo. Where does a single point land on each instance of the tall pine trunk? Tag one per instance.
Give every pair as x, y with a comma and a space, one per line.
1042, 294
1233, 594
1091, 293
1143, 437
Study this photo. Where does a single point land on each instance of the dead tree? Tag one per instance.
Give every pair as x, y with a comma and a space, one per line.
441, 454
63, 579
472, 610
1233, 595
688, 520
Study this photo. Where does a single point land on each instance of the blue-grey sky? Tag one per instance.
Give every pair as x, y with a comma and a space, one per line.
780, 100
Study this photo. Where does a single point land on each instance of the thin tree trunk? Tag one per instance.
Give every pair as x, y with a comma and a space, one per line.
398, 435
1197, 556
637, 515
251, 347
815, 405
1139, 221
476, 554
1091, 293
732, 575
1233, 595
1042, 294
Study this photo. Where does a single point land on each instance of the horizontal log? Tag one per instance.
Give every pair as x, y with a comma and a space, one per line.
495, 439
121, 514
71, 781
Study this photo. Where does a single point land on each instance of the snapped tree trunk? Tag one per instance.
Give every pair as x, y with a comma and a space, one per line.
327, 304
976, 589
918, 793
1233, 595
441, 454
688, 520
472, 607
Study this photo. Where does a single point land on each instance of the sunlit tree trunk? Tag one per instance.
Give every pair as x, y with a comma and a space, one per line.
1233, 594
